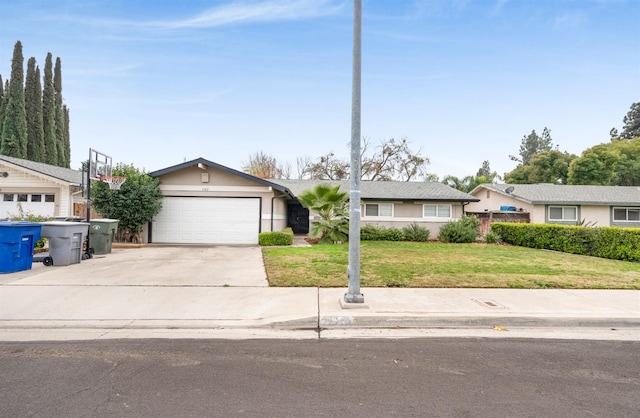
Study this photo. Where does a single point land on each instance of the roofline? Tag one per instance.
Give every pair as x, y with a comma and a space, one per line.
223, 168
444, 199
24, 167
503, 193
554, 202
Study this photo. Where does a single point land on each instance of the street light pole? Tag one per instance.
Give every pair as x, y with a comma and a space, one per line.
353, 294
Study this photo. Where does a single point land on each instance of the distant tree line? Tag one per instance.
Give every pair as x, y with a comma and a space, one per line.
34, 121
615, 163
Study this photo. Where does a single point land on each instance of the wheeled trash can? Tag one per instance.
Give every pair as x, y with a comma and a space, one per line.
65, 242
102, 233
17, 242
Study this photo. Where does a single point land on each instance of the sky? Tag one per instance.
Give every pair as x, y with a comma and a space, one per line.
155, 83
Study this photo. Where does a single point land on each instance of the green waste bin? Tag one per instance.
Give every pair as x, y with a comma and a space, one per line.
102, 233
65, 242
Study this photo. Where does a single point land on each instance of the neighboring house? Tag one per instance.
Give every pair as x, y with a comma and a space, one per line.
40, 189
204, 202
563, 204
390, 203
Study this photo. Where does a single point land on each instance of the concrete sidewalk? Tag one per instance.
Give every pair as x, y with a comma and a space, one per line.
89, 312
222, 292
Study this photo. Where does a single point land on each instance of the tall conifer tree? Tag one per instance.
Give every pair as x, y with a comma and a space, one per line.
33, 107
2, 104
14, 127
57, 86
67, 137
49, 114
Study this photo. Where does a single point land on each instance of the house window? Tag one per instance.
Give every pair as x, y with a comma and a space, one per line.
36, 198
563, 213
436, 211
626, 214
22, 198
378, 209
50, 198
7, 197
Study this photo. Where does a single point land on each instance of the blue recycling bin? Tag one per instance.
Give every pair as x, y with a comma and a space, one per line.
17, 241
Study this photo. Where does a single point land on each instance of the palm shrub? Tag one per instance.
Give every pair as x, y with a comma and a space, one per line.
463, 230
331, 206
415, 232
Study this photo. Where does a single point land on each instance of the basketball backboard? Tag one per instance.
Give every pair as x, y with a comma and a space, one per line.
99, 165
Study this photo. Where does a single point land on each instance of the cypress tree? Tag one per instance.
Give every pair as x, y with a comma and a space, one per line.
1, 105
67, 137
33, 107
59, 113
14, 128
49, 114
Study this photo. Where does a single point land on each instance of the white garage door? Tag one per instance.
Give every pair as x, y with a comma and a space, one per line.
206, 220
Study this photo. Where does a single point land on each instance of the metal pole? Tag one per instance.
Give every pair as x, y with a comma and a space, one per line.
353, 294
88, 241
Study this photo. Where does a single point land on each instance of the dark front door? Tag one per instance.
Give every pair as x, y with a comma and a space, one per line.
298, 218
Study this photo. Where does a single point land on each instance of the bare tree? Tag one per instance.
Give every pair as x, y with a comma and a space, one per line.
267, 167
392, 160
389, 160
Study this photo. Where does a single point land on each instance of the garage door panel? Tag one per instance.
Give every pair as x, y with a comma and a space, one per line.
192, 220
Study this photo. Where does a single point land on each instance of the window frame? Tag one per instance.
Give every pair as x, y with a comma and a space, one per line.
378, 204
563, 219
626, 211
437, 207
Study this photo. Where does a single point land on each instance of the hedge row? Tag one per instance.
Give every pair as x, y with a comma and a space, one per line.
412, 232
276, 238
605, 242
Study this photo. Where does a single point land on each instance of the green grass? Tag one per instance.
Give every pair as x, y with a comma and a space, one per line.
407, 264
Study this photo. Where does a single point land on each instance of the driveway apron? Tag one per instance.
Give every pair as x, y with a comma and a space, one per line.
218, 266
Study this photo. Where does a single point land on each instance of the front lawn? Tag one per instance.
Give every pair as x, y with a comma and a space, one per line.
408, 264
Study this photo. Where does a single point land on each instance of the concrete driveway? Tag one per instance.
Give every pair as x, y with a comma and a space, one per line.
217, 266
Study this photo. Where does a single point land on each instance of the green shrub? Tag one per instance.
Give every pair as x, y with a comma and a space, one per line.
415, 232
392, 234
378, 233
371, 233
463, 230
605, 242
275, 238
492, 238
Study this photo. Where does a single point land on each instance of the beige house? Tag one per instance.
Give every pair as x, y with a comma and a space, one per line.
204, 202
391, 203
207, 203
562, 204
37, 188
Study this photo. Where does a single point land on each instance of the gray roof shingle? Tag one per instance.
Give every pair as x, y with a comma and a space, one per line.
387, 190
541, 194
65, 174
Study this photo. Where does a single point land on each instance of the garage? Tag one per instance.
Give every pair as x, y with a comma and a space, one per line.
207, 220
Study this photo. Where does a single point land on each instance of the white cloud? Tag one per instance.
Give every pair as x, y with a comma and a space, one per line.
244, 12
233, 13
570, 20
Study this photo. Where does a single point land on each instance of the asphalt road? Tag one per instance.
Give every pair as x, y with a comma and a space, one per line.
355, 378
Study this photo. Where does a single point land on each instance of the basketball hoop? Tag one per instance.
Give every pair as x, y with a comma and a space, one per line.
114, 182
